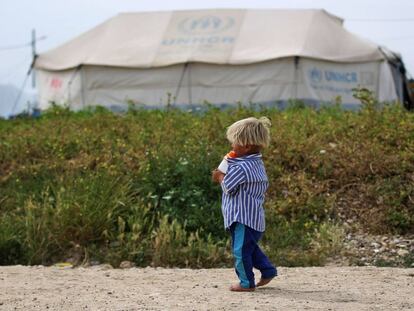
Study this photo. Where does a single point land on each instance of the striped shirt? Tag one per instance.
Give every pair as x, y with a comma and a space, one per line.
244, 187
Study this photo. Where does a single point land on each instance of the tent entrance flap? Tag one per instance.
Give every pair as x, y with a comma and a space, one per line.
186, 71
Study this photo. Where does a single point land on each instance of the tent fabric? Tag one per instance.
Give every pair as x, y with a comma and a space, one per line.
225, 36
195, 83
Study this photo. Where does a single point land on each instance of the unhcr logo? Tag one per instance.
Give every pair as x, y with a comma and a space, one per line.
205, 25
207, 31
318, 76
315, 75
347, 77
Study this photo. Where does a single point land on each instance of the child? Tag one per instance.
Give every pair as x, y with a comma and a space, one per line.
244, 185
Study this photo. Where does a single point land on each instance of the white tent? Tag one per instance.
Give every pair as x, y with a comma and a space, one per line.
220, 56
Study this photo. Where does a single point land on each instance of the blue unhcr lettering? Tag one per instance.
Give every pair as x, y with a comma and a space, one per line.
348, 77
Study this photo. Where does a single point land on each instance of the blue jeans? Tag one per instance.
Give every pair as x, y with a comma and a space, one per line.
247, 255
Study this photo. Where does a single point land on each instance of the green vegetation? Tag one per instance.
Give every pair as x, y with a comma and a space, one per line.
93, 185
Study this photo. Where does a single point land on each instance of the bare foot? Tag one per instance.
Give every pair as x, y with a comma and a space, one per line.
263, 282
238, 288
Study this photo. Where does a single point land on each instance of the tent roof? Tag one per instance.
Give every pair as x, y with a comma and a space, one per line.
222, 36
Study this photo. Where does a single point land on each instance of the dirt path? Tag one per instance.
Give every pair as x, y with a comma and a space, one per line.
99, 288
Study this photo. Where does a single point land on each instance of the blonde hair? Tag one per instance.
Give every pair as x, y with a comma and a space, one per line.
250, 131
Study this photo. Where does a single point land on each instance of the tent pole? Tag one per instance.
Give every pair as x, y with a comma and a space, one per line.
69, 87
177, 91
190, 99
296, 76
82, 75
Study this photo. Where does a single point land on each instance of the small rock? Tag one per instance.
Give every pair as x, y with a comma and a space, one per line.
375, 244
402, 252
64, 265
126, 264
402, 246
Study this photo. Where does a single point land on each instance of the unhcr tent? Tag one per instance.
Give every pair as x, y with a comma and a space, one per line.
220, 56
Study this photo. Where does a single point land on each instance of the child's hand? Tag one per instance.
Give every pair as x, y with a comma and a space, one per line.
217, 176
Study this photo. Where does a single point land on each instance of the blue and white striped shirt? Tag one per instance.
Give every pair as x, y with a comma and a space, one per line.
244, 187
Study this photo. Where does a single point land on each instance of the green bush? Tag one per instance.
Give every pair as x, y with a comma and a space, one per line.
93, 185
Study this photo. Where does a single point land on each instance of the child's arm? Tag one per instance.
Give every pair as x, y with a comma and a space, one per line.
217, 176
233, 179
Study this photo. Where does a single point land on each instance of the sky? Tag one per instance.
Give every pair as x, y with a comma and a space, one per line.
388, 23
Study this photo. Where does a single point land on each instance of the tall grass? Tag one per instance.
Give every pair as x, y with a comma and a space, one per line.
93, 185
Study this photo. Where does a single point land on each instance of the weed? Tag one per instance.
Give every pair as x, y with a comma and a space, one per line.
137, 186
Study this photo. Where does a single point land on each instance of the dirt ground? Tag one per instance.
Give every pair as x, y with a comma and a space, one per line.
101, 288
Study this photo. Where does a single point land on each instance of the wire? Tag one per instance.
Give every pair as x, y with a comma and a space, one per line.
398, 38
14, 47
379, 20
21, 91
21, 46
